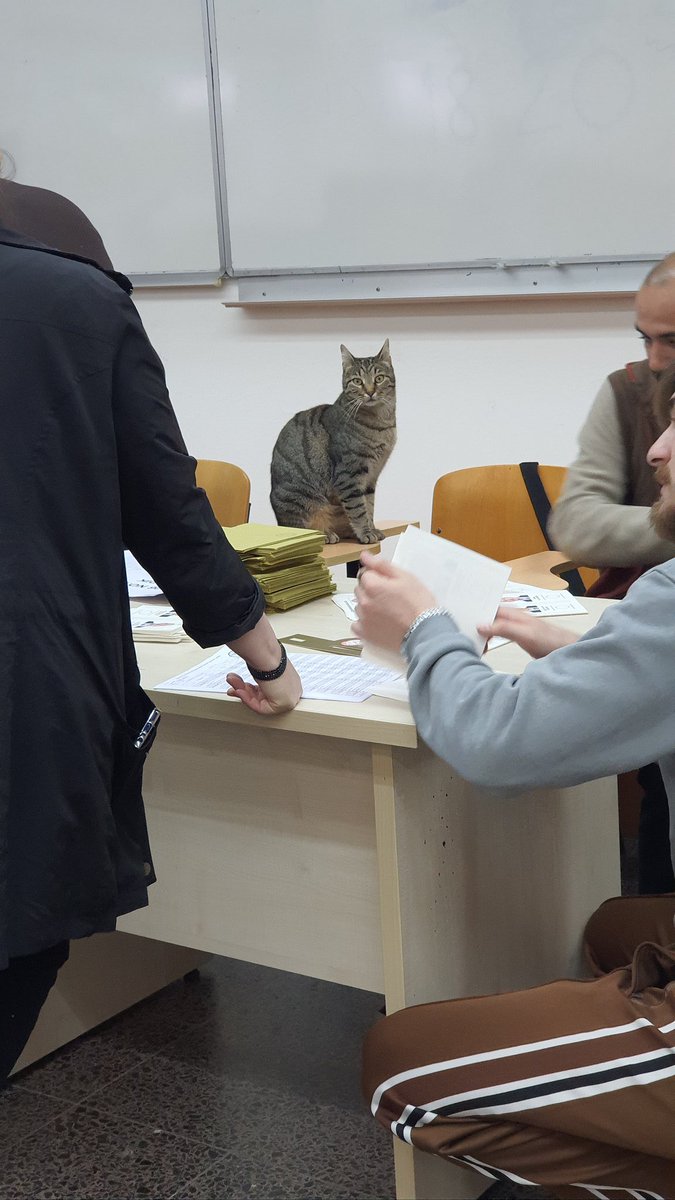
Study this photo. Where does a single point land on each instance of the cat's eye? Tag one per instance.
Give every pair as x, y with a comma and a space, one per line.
380, 378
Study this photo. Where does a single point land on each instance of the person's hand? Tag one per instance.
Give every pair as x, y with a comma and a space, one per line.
260, 648
271, 696
387, 602
536, 635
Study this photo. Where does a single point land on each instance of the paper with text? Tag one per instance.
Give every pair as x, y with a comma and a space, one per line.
150, 623
542, 602
346, 601
139, 583
469, 585
324, 676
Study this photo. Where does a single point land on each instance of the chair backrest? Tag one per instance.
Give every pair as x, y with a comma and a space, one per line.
488, 509
228, 489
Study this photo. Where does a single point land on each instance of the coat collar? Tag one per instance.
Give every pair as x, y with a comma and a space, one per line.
9, 238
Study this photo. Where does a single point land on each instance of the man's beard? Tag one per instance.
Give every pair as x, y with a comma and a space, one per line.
662, 514
662, 517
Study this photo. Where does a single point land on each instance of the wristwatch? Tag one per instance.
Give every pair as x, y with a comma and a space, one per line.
423, 616
268, 676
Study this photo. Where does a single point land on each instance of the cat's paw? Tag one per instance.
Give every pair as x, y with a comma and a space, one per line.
332, 537
371, 536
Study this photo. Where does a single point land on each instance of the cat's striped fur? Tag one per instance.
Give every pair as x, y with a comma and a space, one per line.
327, 460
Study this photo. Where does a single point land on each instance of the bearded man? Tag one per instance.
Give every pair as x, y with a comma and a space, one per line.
571, 1085
602, 518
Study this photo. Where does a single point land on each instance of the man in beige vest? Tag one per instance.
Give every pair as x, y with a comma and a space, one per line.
602, 518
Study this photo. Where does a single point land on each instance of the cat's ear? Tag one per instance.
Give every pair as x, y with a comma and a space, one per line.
384, 352
347, 357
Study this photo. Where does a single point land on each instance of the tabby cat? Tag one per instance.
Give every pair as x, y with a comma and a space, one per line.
327, 460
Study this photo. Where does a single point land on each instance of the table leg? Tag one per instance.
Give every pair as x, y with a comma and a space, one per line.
481, 893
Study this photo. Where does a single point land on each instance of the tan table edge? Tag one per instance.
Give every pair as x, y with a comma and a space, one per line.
336, 553
541, 570
320, 718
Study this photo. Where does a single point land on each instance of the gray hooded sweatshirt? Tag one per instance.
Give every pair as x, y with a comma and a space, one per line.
601, 706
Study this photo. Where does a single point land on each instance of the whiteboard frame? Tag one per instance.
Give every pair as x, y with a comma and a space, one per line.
217, 140
176, 279
201, 278
483, 280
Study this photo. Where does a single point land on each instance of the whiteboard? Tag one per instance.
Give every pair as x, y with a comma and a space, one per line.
107, 102
420, 133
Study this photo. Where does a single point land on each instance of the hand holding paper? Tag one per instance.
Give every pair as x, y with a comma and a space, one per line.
388, 600
441, 574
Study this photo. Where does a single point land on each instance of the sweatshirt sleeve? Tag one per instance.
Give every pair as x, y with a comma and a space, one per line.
167, 521
591, 521
603, 705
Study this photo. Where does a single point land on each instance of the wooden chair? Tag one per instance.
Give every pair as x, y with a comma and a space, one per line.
228, 489
488, 510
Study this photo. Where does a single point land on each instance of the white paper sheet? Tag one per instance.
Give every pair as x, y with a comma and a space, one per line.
150, 623
324, 676
138, 581
469, 585
542, 602
345, 601
396, 690
146, 615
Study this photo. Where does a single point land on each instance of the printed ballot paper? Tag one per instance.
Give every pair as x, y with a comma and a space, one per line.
152, 624
542, 602
469, 585
324, 676
346, 601
139, 583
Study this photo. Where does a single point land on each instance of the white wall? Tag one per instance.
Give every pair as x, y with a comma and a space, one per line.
477, 383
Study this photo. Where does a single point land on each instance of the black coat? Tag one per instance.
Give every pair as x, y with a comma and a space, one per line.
92, 460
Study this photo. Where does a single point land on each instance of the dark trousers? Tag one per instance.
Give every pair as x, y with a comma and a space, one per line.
24, 987
655, 868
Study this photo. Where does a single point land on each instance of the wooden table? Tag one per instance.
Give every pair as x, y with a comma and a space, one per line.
541, 570
331, 842
336, 553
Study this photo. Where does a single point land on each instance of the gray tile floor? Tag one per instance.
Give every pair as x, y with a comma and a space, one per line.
243, 1083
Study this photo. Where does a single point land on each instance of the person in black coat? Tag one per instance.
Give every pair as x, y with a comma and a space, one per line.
92, 462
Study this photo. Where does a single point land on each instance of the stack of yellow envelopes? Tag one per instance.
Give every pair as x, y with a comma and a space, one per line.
286, 562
